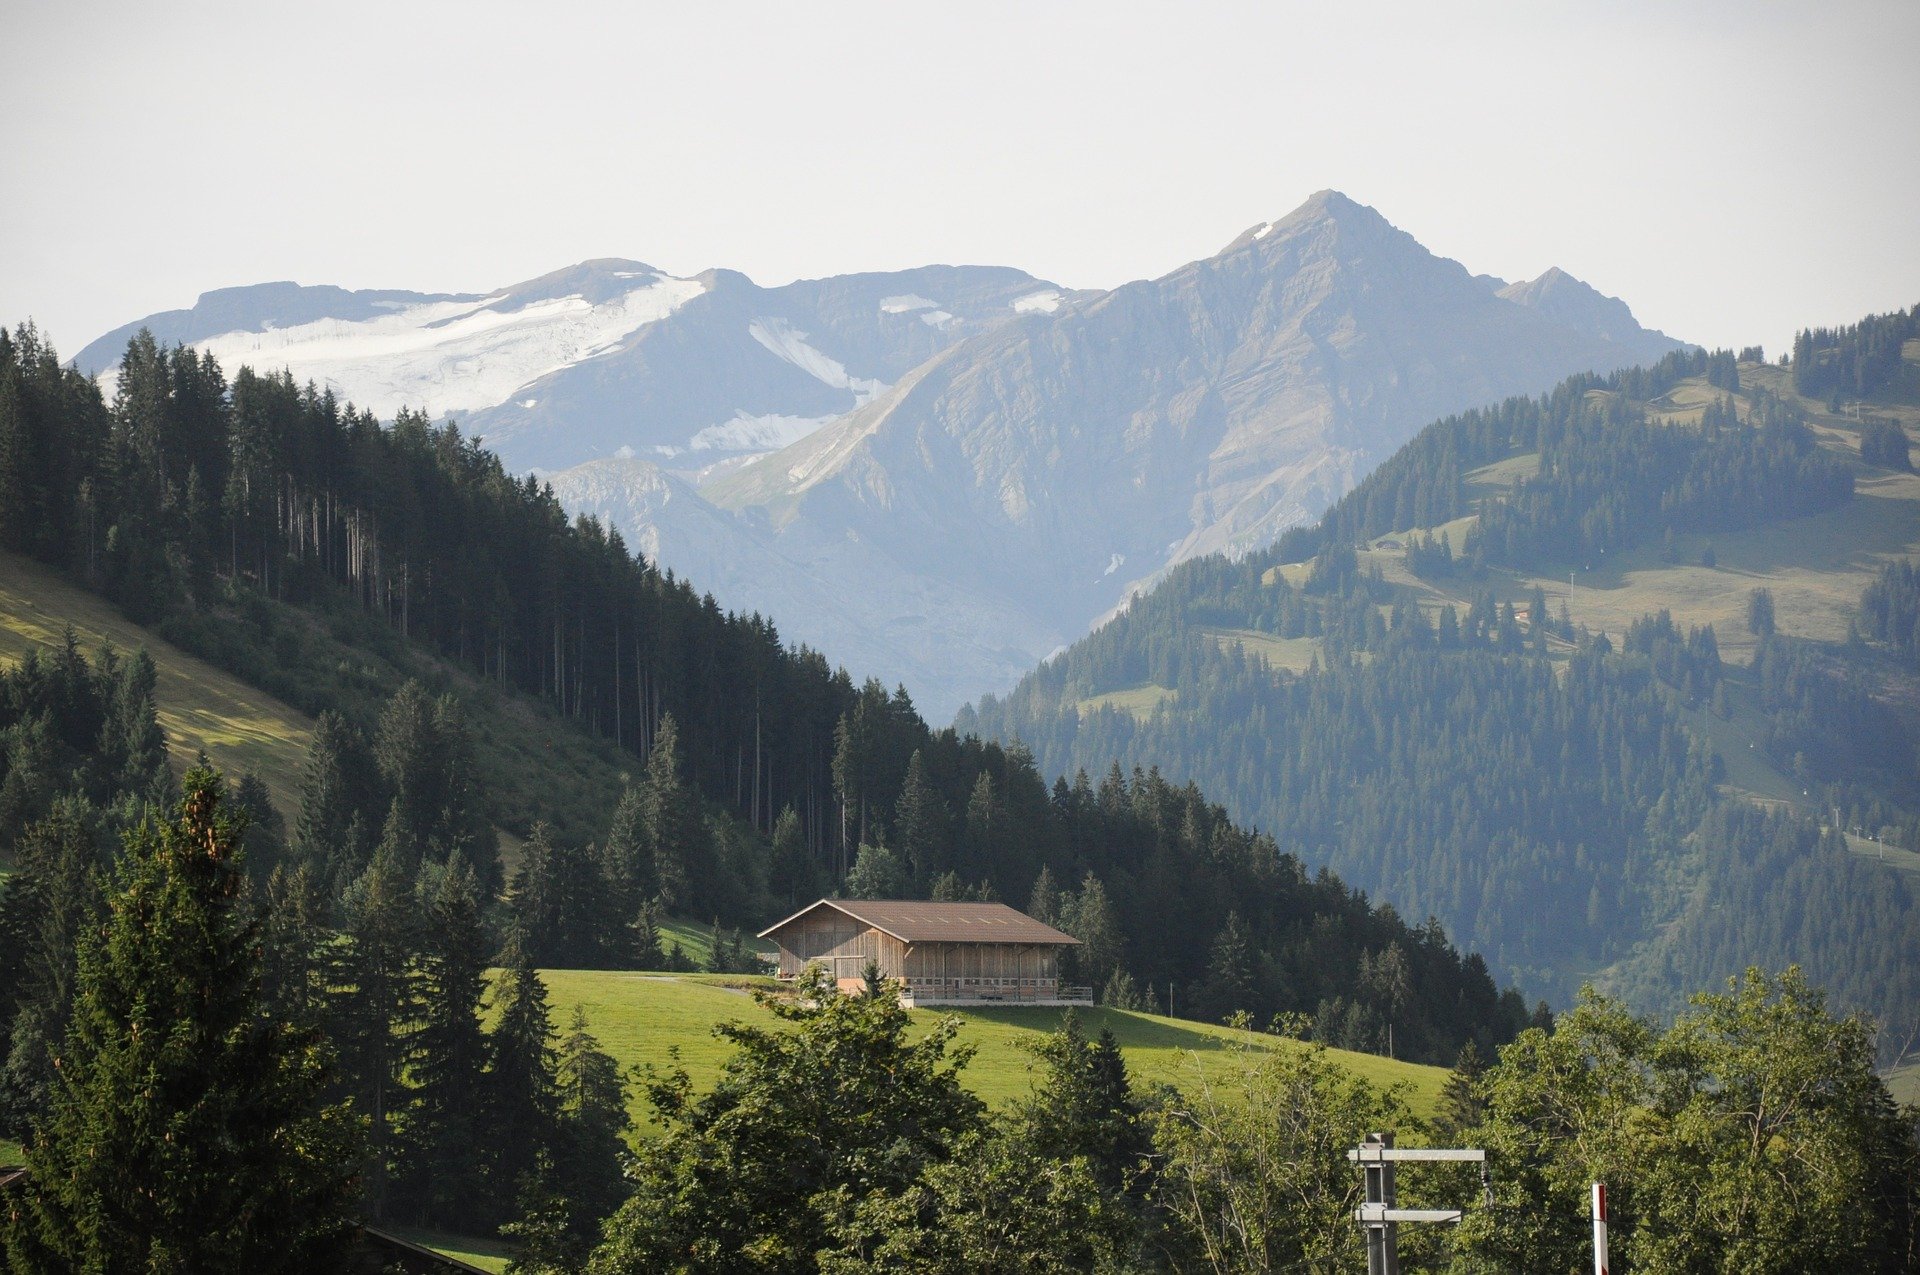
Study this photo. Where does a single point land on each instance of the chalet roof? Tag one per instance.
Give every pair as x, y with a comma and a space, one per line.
914, 921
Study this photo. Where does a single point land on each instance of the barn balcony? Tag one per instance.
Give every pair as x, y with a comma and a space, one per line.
920, 992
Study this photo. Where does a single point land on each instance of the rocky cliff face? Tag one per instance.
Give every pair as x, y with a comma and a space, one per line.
1056, 462
944, 474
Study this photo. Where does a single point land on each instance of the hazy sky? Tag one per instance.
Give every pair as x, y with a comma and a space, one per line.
1732, 170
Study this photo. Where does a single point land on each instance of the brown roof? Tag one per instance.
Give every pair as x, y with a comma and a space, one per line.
912, 921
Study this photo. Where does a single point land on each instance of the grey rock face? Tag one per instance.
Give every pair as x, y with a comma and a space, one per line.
940, 476
1056, 463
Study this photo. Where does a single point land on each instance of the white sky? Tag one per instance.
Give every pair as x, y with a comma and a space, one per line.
1734, 171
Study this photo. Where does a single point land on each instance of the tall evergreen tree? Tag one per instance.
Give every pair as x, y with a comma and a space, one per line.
921, 824
341, 803
521, 1090
593, 1127
790, 868
676, 830
373, 1005
188, 1131
446, 1121
51, 900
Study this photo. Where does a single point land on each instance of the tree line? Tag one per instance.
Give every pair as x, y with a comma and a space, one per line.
196, 1127
1538, 787
197, 503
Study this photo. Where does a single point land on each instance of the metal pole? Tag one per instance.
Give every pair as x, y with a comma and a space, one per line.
1383, 1256
1599, 1228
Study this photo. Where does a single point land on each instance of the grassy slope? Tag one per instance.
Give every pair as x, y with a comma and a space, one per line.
642, 1019
532, 763
487, 1254
201, 707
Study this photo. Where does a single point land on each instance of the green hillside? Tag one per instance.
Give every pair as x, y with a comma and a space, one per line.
202, 708
1554, 775
536, 765
648, 1019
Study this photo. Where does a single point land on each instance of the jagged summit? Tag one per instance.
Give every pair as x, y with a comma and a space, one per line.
945, 473
1322, 208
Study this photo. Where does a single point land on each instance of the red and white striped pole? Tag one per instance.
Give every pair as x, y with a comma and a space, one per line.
1599, 1228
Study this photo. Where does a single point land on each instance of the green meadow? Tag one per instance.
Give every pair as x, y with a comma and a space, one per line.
662, 1019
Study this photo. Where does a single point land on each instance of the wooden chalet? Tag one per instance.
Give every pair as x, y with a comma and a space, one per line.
939, 953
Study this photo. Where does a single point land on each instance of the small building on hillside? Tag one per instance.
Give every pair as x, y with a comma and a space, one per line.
939, 953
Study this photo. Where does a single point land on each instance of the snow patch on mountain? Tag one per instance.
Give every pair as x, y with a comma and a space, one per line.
780, 338
1042, 302
906, 304
746, 433
450, 356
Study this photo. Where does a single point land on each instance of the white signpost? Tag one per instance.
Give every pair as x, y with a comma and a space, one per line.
1599, 1228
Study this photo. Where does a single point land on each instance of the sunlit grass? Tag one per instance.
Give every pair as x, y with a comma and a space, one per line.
651, 1019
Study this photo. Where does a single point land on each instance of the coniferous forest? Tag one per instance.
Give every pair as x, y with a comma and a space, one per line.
1471, 762
380, 959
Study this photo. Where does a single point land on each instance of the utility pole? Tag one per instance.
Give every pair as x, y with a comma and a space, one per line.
1379, 1216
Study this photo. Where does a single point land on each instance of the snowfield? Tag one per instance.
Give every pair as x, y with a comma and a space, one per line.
450, 356
778, 336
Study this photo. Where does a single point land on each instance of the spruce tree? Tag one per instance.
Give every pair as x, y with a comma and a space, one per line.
643, 952
676, 830
593, 1126
17, 489
921, 824
188, 1131
293, 945
407, 747
790, 869
51, 900
373, 1005
627, 859
340, 801
133, 731
521, 1089
446, 1120
1043, 904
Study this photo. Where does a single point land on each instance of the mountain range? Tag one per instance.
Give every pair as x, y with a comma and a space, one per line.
943, 475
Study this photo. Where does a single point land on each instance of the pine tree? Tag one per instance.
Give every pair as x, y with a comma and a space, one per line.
373, 1004
17, 489
522, 1097
51, 900
920, 824
446, 1120
593, 1127
790, 874
676, 830
188, 1131
644, 946
1229, 986
1463, 1101
340, 801
1043, 904
627, 859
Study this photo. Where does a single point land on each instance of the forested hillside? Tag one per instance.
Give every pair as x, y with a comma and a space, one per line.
1680, 769
336, 561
